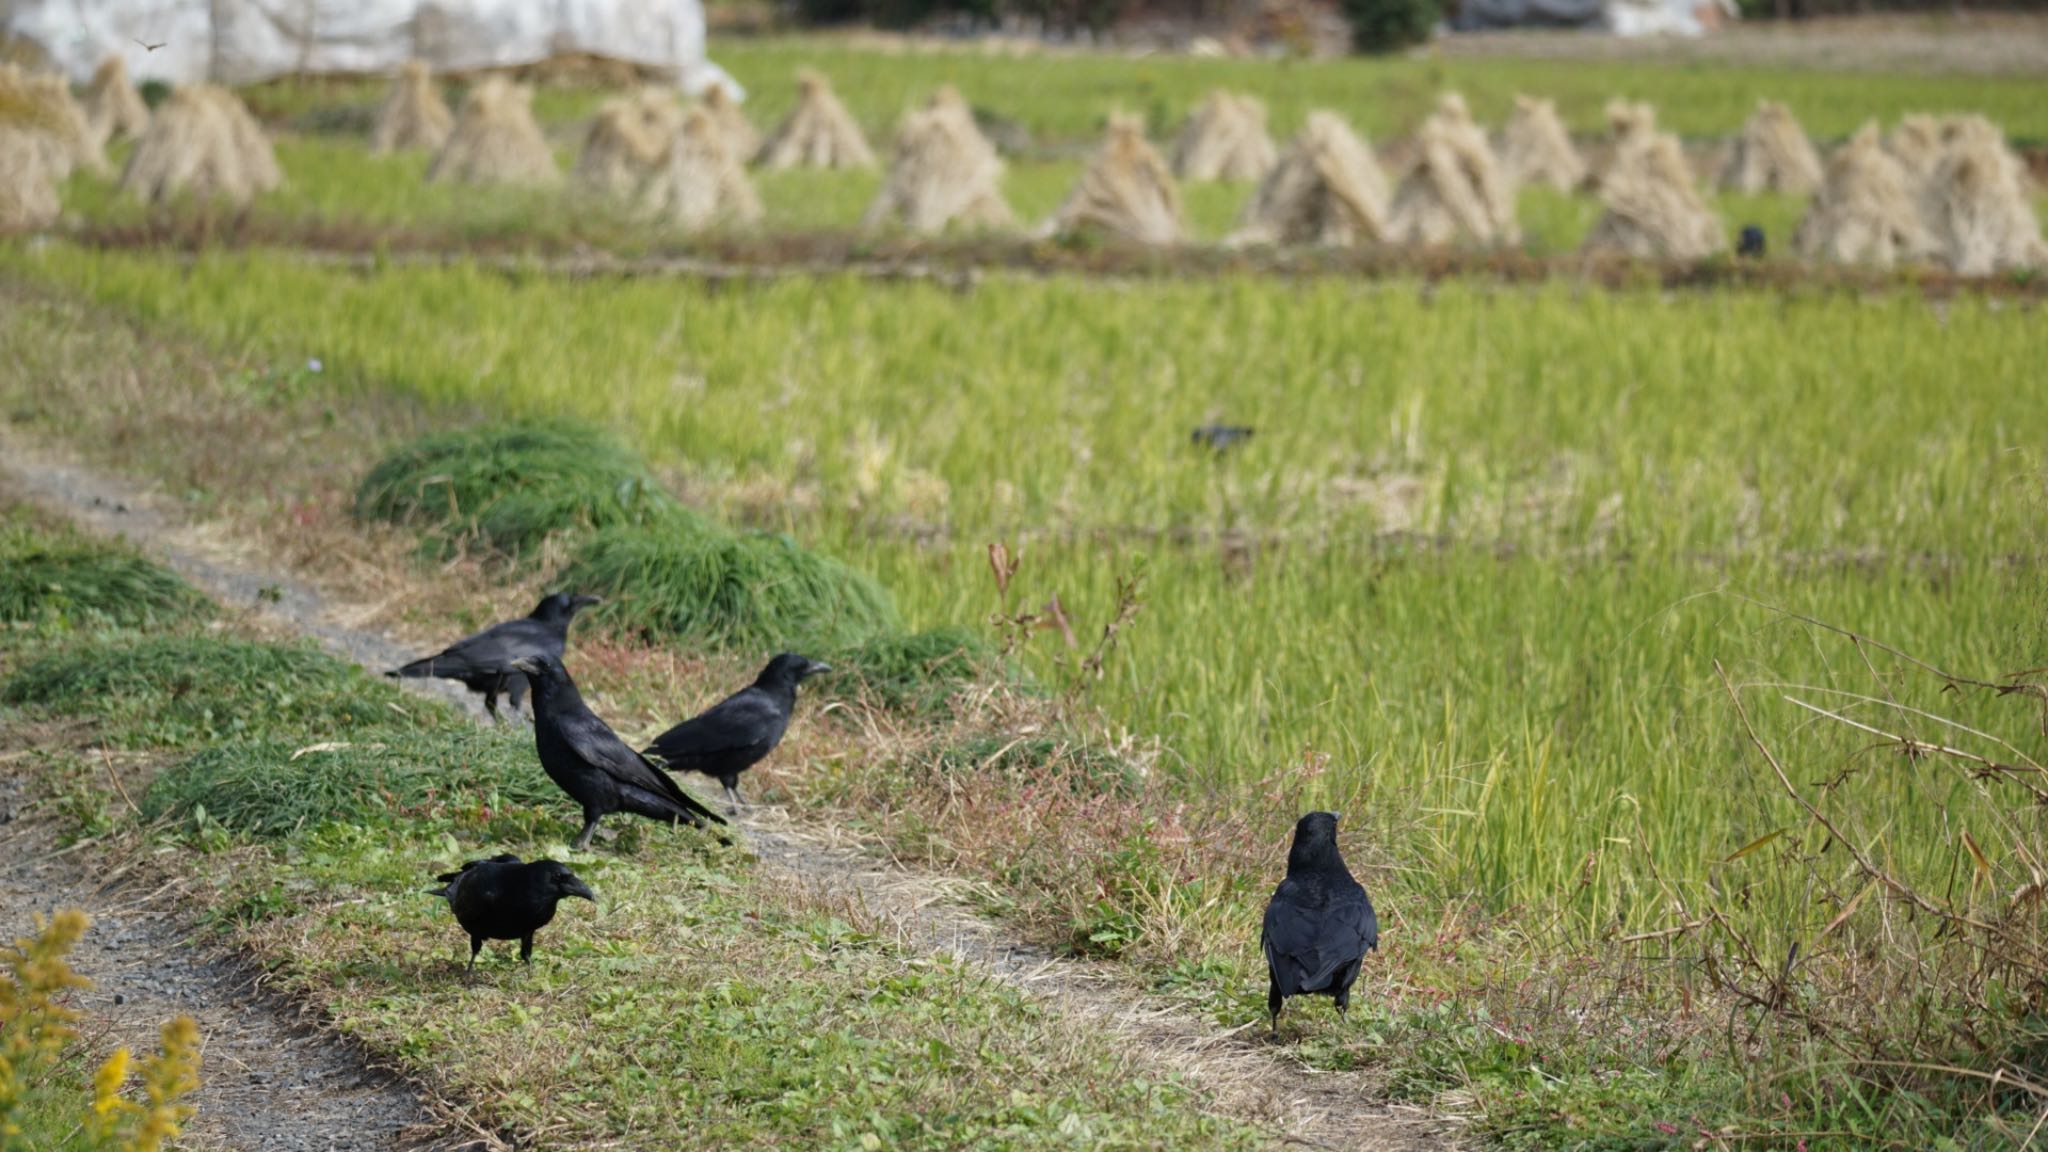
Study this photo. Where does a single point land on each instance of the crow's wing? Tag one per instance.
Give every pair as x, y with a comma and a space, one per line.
488, 652
452, 880
739, 723
598, 746
1305, 946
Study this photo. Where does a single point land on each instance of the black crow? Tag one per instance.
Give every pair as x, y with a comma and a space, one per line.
483, 662
589, 761
1320, 924
1220, 437
1749, 243
734, 734
503, 899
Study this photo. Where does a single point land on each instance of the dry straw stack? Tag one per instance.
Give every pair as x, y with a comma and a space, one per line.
1536, 149
1917, 145
413, 116
1631, 129
1976, 203
818, 133
202, 142
741, 140
1865, 211
31, 155
1127, 190
944, 171
1773, 155
113, 108
1454, 186
700, 181
64, 137
1225, 139
1326, 189
628, 142
496, 140
1653, 210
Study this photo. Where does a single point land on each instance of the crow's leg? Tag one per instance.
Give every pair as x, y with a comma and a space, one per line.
526, 948
476, 945
589, 829
1274, 1002
515, 691
491, 698
732, 793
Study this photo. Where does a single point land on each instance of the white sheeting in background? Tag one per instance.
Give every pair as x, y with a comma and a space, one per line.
238, 41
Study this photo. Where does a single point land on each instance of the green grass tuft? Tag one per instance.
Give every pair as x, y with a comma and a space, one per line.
273, 787
688, 579
47, 576
508, 488
176, 691
915, 672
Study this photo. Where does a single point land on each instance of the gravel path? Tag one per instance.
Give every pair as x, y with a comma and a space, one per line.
1247, 1076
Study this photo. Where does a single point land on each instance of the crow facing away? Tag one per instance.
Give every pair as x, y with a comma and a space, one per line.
1319, 925
586, 759
735, 734
503, 899
1749, 242
483, 662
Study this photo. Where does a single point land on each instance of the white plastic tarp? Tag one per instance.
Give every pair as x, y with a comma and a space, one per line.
238, 41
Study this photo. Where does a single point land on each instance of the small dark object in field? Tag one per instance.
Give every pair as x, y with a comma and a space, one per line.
1750, 242
586, 759
483, 662
503, 899
1220, 437
739, 731
1320, 923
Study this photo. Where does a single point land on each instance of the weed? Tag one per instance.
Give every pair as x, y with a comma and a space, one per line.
916, 672
47, 575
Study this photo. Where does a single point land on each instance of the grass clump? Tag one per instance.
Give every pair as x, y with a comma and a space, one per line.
689, 579
269, 788
56, 576
912, 672
509, 488
173, 691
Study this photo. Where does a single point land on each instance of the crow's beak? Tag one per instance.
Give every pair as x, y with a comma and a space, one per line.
579, 888
585, 601
817, 668
524, 664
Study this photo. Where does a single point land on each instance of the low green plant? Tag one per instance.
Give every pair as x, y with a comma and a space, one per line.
684, 578
269, 788
914, 672
178, 690
509, 488
55, 575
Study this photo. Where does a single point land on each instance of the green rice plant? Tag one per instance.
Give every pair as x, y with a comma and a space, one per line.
180, 690
272, 787
509, 488
914, 672
685, 578
48, 575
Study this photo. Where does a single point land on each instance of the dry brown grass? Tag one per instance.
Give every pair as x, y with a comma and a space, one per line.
1127, 191
413, 115
818, 133
697, 182
113, 107
203, 143
1535, 148
1653, 210
1865, 210
1225, 138
944, 172
1454, 187
496, 140
1327, 189
62, 133
1772, 155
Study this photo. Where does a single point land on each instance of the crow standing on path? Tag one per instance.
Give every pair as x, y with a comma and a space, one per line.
483, 662
582, 755
737, 732
1320, 924
503, 899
